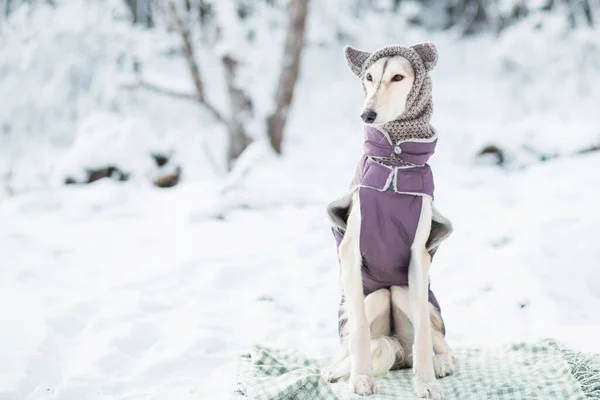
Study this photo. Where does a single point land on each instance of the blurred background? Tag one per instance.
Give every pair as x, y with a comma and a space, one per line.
165, 167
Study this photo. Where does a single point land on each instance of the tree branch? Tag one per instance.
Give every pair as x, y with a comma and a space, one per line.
188, 53
160, 90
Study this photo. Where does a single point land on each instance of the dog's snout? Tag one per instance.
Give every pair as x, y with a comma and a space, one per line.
369, 116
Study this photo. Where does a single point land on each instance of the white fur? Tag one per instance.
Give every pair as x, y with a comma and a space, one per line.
424, 382
385, 97
361, 367
384, 349
444, 359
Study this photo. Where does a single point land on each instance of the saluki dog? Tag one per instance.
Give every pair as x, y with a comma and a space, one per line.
387, 230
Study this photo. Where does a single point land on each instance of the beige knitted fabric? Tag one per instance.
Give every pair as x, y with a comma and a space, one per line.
414, 122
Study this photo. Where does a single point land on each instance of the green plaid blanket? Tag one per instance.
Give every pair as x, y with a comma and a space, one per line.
544, 370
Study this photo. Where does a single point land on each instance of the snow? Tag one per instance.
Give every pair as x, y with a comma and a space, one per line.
105, 140
123, 290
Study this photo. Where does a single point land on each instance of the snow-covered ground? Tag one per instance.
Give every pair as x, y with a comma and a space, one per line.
123, 290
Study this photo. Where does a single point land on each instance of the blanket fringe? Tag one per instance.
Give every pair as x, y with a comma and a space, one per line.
585, 368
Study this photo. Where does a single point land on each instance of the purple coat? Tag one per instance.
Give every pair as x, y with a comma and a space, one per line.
391, 194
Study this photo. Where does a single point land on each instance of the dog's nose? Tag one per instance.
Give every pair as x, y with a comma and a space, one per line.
369, 116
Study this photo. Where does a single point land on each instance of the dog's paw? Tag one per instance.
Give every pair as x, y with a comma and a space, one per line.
331, 373
443, 364
363, 385
335, 370
327, 375
428, 390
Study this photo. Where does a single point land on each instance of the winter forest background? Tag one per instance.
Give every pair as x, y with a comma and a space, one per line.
164, 176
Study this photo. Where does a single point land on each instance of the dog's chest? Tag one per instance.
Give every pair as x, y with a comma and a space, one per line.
392, 181
389, 222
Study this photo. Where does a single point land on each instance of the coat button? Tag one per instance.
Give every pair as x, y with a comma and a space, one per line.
397, 149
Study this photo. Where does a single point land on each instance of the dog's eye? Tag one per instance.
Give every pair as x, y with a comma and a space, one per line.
397, 78
369, 77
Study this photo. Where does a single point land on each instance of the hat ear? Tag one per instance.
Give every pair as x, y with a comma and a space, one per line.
356, 59
428, 54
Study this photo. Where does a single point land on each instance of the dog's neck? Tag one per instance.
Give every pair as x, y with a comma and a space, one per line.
406, 152
414, 124
402, 130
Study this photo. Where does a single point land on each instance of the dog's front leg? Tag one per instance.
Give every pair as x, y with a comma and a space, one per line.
424, 381
361, 370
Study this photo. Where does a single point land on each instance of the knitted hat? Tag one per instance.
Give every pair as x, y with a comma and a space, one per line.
414, 121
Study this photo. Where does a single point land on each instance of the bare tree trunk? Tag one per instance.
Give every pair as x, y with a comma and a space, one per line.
241, 111
204, 12
141, 12
232, 44
188, 53
7, 8
240, 103
294, 42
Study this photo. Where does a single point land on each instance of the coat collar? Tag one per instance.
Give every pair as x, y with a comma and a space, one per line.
414, 151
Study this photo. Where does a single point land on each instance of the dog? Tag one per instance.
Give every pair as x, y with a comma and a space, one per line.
388, 229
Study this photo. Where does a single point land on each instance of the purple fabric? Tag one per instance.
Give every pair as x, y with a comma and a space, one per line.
377, 145
416, 179
390, 200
